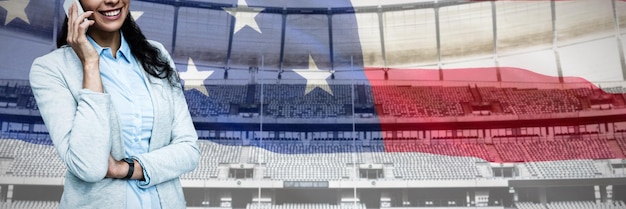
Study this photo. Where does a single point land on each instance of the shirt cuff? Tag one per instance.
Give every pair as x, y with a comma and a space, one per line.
89, 91
146, 177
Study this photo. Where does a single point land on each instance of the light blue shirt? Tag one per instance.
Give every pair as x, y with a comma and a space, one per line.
123, 78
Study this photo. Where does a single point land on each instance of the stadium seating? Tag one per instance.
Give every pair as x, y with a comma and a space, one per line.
328, 159
407, 101
614, 90
32, 160
306, 172
289, 101
567, 169
535, 101
219, 153
572, 149
453, 149
217, 101
543, 150
24, 204
306, 162
571, 205
27, 136
425, 166
223, 140
512, 152
585, 205
314, 159
621, 141
303, 206
212, 154
529, 205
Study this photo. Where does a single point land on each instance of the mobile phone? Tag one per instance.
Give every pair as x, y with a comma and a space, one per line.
68, 3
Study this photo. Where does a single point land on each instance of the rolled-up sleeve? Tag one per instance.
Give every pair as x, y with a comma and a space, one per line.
179, 157
79, 127
182, 154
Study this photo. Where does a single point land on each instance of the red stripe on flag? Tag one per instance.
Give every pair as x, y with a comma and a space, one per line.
410, 100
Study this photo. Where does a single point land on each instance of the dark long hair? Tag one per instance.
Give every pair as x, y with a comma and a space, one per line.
148, 55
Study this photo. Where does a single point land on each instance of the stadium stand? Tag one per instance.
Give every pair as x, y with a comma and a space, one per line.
535, 101
334, 156
31, 160
585, 205
303, 206
430, 166
217, 101
454, 149
571, 205
529, 205
512, 152
543, 150
325, 161
572, 149
418, 101
306, 171
222, 140
212, 155
621, 141
567, 169
288, 101
29, 205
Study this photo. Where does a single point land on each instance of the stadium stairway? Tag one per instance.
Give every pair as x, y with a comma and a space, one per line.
367, 157
524, 170
475, 94
245, 154
484, 169
222, 172
388, 172
251, 94
603, 167
493, 153
619, 100
584, 103
259, 172
360, 89
352, 172
615, 149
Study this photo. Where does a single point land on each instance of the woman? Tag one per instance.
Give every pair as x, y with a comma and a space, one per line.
116, 113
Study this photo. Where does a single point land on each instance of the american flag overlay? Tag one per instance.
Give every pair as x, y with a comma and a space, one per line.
329, 104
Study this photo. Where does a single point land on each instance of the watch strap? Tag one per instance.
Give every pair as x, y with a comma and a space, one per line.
131, 167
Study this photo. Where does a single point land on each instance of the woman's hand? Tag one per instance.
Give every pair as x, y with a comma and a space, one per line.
116, 169
119, 169
77, 38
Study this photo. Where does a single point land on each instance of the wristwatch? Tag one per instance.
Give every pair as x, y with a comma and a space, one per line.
131, 167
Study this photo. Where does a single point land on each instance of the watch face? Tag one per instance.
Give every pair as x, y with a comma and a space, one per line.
129, 160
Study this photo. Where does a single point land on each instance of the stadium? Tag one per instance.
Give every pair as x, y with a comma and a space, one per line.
366, 104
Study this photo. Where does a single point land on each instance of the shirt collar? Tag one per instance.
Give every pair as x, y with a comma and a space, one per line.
123, 51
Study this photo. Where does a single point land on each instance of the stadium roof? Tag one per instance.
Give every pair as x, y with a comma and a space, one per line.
313, 7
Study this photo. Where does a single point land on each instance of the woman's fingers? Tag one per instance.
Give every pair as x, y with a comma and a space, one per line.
82, 27
78, 25
70, 18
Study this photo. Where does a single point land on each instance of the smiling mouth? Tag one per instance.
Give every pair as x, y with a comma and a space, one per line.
111, 13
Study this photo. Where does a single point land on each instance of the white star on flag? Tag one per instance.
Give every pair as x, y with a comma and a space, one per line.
15, 9
194, 79
315, 78
244, 16
136, 14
